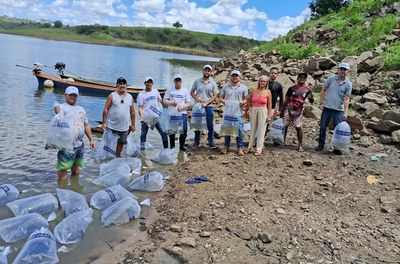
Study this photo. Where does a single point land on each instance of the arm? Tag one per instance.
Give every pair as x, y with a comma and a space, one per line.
322, 97
310, 97
269, 117
132, 127
281, 99
105, 111
346, 103
212, 99
193, 94
88, 133
284, 106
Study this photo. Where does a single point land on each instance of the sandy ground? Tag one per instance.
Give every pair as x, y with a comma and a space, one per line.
281, 207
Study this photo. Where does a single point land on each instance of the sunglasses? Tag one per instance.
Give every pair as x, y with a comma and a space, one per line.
342, 69
178, 80
235, 75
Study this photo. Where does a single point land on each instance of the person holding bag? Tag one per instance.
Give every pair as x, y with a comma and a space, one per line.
260, 106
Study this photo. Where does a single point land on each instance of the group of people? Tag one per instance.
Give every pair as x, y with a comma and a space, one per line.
260, 105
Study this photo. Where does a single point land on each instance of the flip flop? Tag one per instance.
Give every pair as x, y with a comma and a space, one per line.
192, 181
202, 178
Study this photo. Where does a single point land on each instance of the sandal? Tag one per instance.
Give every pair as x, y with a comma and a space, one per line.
301, 149
249, 150
257, 153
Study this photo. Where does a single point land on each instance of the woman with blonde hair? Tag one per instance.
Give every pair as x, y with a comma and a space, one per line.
260, 106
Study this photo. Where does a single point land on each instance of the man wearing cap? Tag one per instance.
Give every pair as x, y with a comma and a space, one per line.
78, 120
334, 101
178, 99
204, 91
235, 91
292, 111
145, 98
119, 114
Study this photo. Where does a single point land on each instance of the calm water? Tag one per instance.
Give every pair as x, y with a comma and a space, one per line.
26, 111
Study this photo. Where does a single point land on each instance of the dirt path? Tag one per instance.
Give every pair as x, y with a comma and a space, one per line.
281, 207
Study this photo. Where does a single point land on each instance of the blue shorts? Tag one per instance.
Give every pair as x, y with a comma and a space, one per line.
66, 160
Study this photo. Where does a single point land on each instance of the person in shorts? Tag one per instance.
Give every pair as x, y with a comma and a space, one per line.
292, 112
67, 160
119, 114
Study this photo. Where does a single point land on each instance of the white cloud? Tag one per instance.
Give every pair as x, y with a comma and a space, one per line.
156, 6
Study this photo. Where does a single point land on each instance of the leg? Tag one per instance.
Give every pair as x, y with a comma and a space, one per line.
163, 133
143, 134
182, 137
325, 117
118, 150
299, 133
172, 141
62, 176
261, 126
337, 118
210, 123
253, 127
239, 138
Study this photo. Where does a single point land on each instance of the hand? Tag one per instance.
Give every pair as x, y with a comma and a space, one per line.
345, 116
104, 126
92, 144
198, 99
204, 105
321, 106
174, 103
132, 128
180, 108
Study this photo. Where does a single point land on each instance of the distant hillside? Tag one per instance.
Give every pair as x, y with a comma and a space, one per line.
167, 39
365, 25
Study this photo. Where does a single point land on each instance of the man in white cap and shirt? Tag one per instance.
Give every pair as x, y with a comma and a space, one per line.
179, 98
205, 90
235, 91
149, 96
78, 120
334, 101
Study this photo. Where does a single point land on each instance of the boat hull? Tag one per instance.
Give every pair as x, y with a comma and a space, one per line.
85, 87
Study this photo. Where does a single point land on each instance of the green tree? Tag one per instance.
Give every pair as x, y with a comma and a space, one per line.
323, 7
177, 25
58, 24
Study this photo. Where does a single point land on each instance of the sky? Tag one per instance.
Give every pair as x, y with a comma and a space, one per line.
253, 19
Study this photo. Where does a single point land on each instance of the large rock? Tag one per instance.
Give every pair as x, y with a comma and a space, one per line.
386, 126
396, 136
354, 122
317, 64
392, 116
312, 112
375, 98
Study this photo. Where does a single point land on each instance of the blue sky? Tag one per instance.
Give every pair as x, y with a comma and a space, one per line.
257, 19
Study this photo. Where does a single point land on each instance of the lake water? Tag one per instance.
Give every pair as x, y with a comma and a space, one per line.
26, 110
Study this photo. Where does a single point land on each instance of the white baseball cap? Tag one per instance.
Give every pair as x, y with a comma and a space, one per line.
177, 76
207, 67
72, 90
235, 72
148, 78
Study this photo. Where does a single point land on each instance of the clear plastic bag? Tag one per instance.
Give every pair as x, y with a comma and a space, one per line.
230, 120
16, 228
341, 137
41, 204
134, 164
59, 133
8, 193
198, 120
71, 201
41, 247
131, 148
123, 211
107, 197
4, 251
175, 121
121, 175
165, 157
152, 182
277, 131
71, 229
108, 144
152, 113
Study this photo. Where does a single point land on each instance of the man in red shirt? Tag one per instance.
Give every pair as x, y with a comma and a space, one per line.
292, 111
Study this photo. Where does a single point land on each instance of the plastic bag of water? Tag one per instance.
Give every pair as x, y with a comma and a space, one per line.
135, 165
39, 248
108, 144
120, 176
4, 251
107, 197
15, 228
153, 181
128, 209
341, 137
198, 120
8, 193
165, 157
41, 204
71, 201
131, 148
59, 133
72, 228
277, 131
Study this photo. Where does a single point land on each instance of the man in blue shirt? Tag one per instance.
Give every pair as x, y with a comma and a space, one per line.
334, 101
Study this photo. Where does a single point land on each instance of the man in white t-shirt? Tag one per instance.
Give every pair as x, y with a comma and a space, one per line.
179, 98
149, 96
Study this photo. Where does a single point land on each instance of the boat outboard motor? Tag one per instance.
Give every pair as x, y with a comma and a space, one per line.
37, 68
60, 66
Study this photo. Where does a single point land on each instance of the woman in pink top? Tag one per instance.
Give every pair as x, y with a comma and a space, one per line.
260, 106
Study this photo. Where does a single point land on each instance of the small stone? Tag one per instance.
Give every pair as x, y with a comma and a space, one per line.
202, 217
142, 228
280, 211
187, 241
176, 228
205, 234
318, 177
386, 210
308, 162
176, 250
265, 238
387, 199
